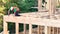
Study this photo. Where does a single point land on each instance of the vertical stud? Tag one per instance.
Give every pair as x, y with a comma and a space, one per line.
57, 30
52, 8
5, 28
53, 30
24, 28
45, 29
39, 5
17, 28
49, 30
38, 29
30, 28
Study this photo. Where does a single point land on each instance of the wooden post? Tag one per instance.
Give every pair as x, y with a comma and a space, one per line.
53, 30
30, 28
49, 30
38, 29
39, 5
24, 28
17, 28
57, 30
41, 29
45, 30
52, 8
5, 27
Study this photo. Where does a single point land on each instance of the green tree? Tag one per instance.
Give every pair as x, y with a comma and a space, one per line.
1, 14
24, 5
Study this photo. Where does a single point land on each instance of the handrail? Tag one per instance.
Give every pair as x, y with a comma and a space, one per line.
47, 23
32, 20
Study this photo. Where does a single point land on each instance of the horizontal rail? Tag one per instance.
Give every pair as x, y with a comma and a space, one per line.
32, 20
46, 26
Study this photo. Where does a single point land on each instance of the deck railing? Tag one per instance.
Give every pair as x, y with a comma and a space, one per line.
45, 26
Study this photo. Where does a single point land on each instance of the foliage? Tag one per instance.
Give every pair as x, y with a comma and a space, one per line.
1, 14
24, 5
1, 23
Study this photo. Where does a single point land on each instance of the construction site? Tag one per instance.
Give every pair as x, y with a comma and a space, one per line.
47, 20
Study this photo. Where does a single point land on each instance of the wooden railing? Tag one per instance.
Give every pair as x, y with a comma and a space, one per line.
45, 26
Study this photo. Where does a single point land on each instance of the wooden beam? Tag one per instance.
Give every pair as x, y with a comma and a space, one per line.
39, 5
24, 28
30, 28
49, 30
57, 30
17, 28
41, 29
5, 25
46, 32
38, 29
36, 21
53, 30
52, 8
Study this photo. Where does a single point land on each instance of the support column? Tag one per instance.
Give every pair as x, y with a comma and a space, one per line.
53, 30
57, 30
17, 28
24, 28
5, 28
46, 32
49, 30
38, 29
30, 28
52, 8
39, 5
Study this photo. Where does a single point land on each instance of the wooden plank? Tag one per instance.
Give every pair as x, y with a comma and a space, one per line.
52, 8
24, 28
5, 25
41, 29
36, 21
17, 28
57, 30
49, 30
30, 28
39, 5
46, 32
53, 30
38, 29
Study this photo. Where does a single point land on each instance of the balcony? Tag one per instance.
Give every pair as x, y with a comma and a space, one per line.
45, 24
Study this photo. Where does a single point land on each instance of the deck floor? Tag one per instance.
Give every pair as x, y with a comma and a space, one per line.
42, 15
